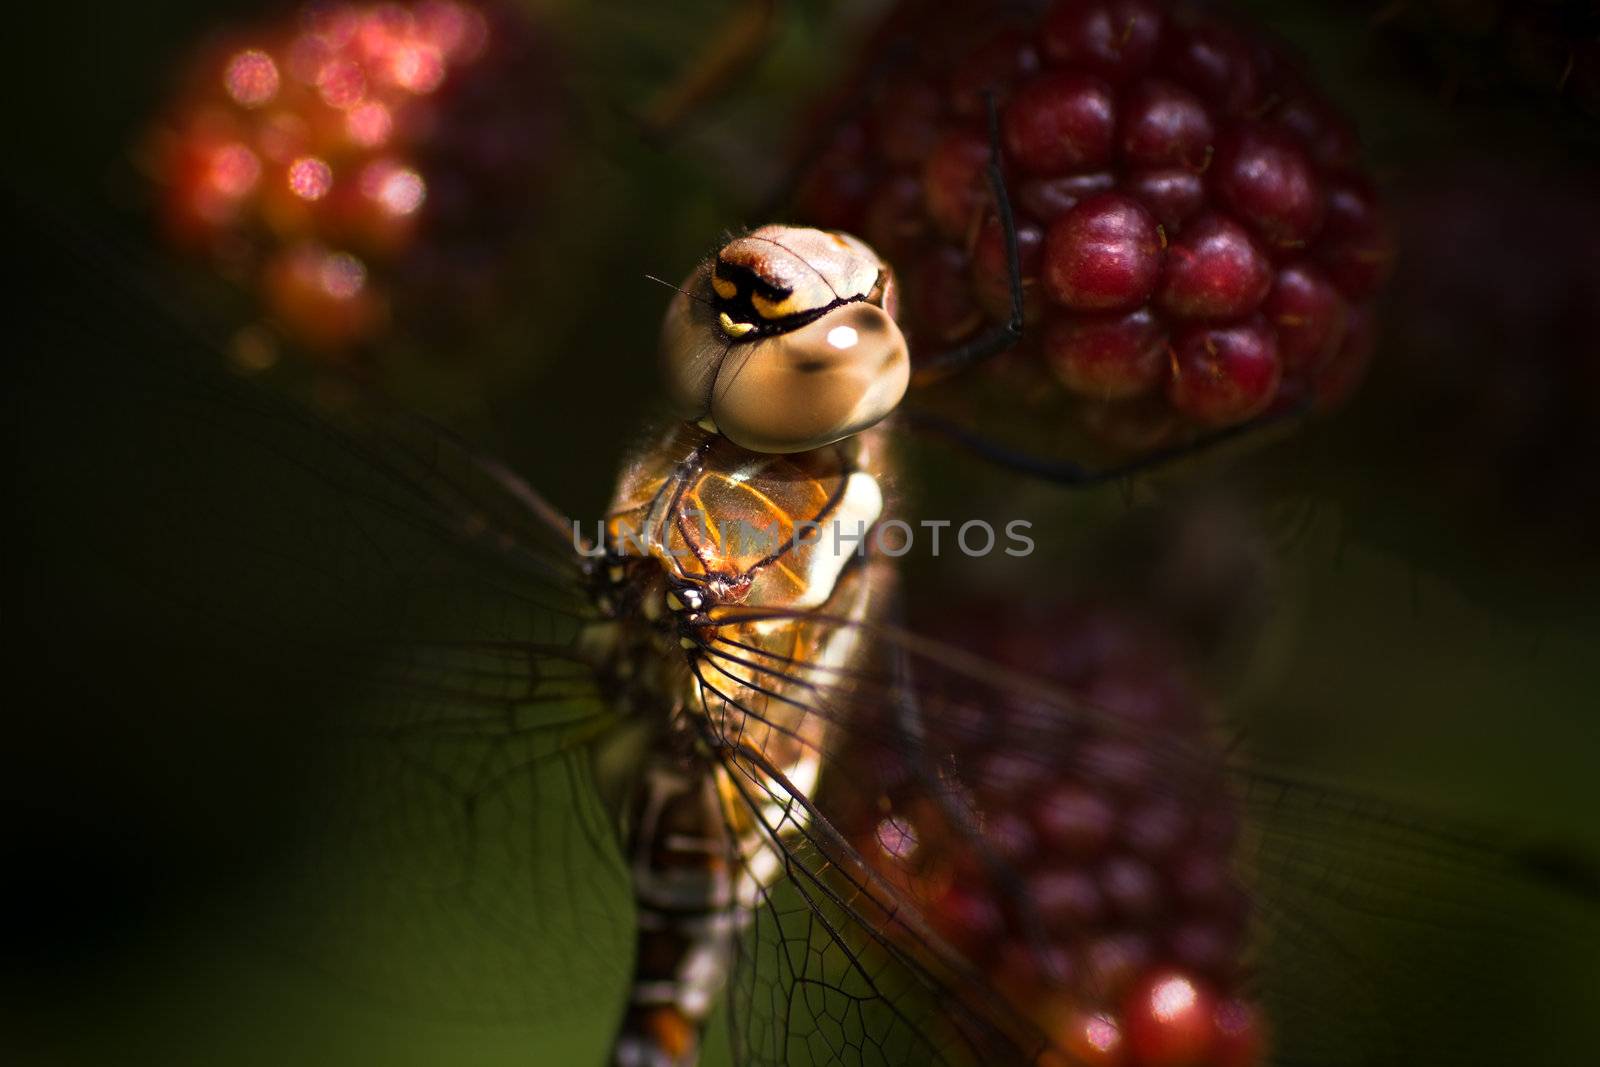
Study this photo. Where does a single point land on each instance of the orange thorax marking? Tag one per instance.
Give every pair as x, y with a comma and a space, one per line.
757, 529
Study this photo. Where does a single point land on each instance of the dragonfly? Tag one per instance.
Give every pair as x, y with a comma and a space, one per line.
671, 733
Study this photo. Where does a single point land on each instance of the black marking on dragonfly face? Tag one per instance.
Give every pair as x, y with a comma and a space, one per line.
741, 308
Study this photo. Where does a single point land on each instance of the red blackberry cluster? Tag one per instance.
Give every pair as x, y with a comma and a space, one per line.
361, 161
1116, 925
1198, 242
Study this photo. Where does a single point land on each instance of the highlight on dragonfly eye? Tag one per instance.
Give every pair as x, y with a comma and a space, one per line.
785, 340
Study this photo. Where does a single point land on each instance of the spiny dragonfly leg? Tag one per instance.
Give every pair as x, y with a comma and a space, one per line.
1004, 335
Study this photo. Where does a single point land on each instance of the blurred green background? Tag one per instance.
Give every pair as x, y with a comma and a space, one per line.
1422, 607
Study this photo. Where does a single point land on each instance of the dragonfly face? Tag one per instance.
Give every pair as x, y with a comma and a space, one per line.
786, 340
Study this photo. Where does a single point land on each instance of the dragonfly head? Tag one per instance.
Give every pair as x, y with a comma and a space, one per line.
785, 340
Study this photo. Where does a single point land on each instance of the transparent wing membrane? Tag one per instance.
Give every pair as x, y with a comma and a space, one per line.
835, 969
1392, 937
395, 617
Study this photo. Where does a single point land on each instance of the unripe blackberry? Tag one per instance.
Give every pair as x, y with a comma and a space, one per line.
1177, 188
363, 163
1073, 858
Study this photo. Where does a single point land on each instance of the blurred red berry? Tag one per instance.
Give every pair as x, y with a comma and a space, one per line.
956, 182
1165, 125
1310, 315
1115, 39
1222, 375
1093, 1040
941, 299
1047, 199
1168, 1021
1239, 1040
991, 273
1076, 821
1217, 62
1112, 358
1267, 179
1060, 121
995, 66
1173, 194
321, 296
1215, 270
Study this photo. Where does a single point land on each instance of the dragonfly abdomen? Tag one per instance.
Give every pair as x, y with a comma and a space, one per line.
681, 858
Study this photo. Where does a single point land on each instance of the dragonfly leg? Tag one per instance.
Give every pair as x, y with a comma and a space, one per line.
1001, 336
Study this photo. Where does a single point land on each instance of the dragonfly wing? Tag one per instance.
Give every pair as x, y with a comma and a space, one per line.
839, 965
377, 627
1388, 936
836, 969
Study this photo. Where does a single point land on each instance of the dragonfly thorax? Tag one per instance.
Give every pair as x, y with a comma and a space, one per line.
727, 526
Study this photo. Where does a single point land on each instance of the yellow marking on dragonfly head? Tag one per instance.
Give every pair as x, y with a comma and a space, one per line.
731, 328
775, 309
725, 289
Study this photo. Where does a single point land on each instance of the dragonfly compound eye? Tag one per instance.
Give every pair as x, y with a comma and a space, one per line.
786, 340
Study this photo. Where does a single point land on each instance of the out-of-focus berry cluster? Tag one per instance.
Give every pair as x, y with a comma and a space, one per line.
362, 163
1080, 865
1199, 244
